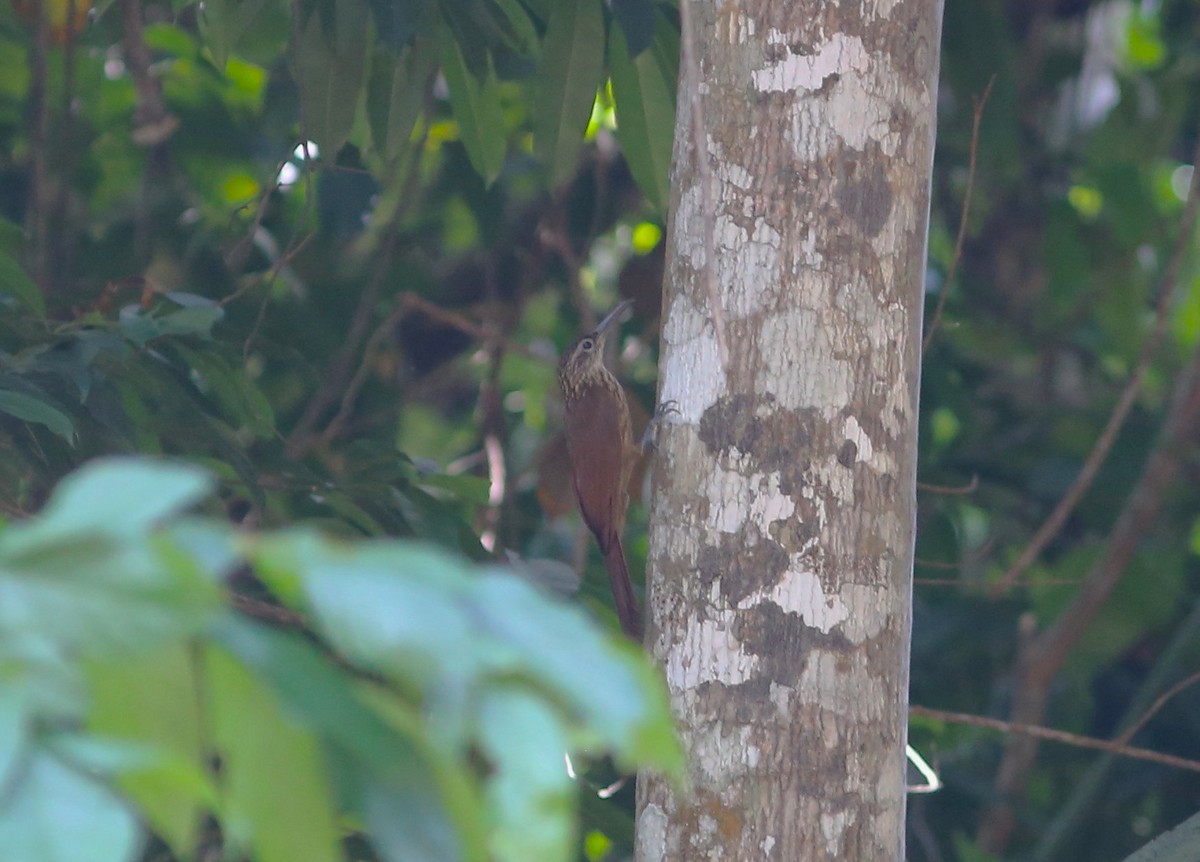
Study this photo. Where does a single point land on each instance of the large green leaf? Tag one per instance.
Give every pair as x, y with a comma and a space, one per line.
644, 91
392, 608
396, 94
241, 400
572, 68
153, 699
415, 799
276, 797
114, 496
32, 409
421, 617
608, 684
476, 107
329, 69
530, 793
52, 813
86, 577
230, 25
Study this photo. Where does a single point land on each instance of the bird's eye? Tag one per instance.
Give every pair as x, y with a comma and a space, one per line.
587, 344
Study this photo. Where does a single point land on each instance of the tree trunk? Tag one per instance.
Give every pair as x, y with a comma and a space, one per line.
783, 515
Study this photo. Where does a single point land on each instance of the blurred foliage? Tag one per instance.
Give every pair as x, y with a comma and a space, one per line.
327, 251
435, 723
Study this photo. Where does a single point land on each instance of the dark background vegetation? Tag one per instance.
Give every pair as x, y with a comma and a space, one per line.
358, 334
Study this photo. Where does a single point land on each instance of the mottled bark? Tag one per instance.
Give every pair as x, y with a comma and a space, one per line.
782, 523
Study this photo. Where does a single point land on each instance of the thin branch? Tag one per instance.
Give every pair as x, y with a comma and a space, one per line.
691, 68
1050, 734
152, 123
980, 103
1040, 660
267, 612
477, 331
1158, 704
984, 585
968, 488
38, 214
354, 387
1091, 466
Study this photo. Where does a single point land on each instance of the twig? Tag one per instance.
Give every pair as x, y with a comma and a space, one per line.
691, 69
152, 123
475, 330
968, 488
1040, 660
1095, 458
236, 256
267, 612
360, 375
1158, 704
554, 238
335, 381
980, 103
984, 585
1038, 732
38, 215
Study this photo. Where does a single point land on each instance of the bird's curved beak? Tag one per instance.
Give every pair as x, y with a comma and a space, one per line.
613, 316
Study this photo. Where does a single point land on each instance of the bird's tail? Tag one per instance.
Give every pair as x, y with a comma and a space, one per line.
628, 611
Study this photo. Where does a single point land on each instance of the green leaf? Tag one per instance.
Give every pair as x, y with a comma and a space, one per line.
530, 794
153, 699
86, 577
636, 19
31, 409
644, 92
254, 29
398, 21
620, 697
241, 400
96, 597
329, 70
388, 606
396, 95
15, 282
412, 798
13, 720
277, 798
51, 813
572, 69
142, 327
513, 22
116, 496
476, 107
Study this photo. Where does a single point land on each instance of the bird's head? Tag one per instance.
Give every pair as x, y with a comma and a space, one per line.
585, 358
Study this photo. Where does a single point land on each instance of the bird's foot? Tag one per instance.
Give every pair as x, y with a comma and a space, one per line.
667, 408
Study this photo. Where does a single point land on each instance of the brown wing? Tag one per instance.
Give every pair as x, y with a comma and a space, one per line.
597, 439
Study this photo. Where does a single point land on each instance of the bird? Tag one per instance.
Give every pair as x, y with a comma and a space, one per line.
602, 456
